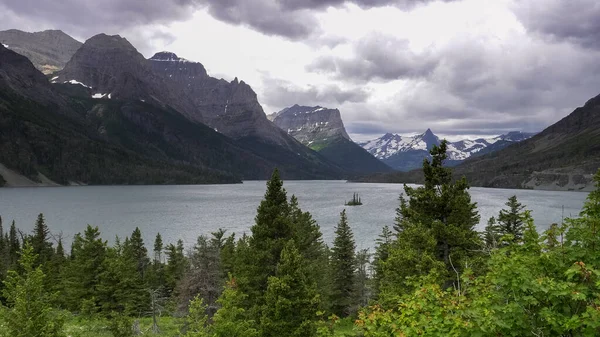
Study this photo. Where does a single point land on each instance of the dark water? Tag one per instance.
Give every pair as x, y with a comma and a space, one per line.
184, 212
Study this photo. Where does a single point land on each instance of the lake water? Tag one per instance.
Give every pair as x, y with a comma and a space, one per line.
184, 212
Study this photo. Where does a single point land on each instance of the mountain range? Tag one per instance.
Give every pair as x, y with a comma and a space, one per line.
110, 116
322, 129
565, 156
405, 153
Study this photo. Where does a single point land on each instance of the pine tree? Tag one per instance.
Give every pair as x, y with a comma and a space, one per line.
291, 300
511, 220
176, 265
135, 249
14, 247
443, 208
30, 313
271, 231
231, 319
382, 252
40, 241
363, 287
490, 235
343, 269
83, 270
158, 247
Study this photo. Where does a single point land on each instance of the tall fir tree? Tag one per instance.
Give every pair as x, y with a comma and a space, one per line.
270, 233
176, 265
511, 221
135, 249
158, 248
343, 269
14, 246
82, 272
231, 319
40, 241
291, 300
382, 252
444, 209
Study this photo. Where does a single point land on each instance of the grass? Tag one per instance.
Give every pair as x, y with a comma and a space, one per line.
83, 327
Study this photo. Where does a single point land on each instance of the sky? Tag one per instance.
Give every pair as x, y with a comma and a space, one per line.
463, 68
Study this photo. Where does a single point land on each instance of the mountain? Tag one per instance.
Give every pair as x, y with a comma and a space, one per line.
323, 130
231, 108
59, 133
562, 157
407, 153
48, 50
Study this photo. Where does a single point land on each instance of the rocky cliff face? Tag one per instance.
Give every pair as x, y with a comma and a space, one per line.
323, 130
113, 68
311, 125
49, 51
231, 108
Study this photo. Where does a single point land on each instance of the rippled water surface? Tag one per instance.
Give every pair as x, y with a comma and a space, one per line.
184, 212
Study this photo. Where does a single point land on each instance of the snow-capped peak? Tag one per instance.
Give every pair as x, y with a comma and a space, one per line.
391, 144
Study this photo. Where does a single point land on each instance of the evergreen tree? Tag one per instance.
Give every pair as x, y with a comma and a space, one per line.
291, 300
135, 249
41, 241
343, 269
176, 265
29, 313
511, 220
14, 247
490, 235
158, 247
271, 231
363, 287
83, 270
382, 252
444, 209
230, 320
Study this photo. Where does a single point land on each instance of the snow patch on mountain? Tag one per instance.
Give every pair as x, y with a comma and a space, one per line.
391, 144
5, 45
75, 82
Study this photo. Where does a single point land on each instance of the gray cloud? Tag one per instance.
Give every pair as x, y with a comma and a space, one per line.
475, 87
577, 21
293, 19
280, 93
377, 57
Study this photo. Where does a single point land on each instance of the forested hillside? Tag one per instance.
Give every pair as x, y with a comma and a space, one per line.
431, 274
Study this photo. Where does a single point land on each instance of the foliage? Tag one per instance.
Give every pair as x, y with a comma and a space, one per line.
30, 313
343, 269
230, 320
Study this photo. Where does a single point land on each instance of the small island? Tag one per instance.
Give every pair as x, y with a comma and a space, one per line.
355, 201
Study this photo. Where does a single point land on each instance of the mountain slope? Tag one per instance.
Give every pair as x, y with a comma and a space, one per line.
60, 133
48, 50
564, 156
407, 153
322, 129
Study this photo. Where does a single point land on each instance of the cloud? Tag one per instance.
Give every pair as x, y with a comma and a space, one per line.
576, 21
377, 57
280, 93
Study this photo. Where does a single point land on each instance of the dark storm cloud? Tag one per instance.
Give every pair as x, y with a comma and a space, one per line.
377, 57
293, 19
280, 93
577, 21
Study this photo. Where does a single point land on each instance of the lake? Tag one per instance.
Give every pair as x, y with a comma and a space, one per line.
184, 212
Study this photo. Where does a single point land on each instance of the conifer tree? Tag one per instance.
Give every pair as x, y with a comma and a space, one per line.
14, 247
231, 319
41, 241
83, 270
511, 220
135, 249
270, 233
444, 209
158, 248
343, 269
176, 265
291, 300
490, 235
30, 313
382, 252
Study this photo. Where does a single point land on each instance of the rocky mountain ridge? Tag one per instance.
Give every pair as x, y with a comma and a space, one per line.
407, 152
48, 50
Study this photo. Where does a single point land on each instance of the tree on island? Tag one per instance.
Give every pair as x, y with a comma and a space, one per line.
355, 201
